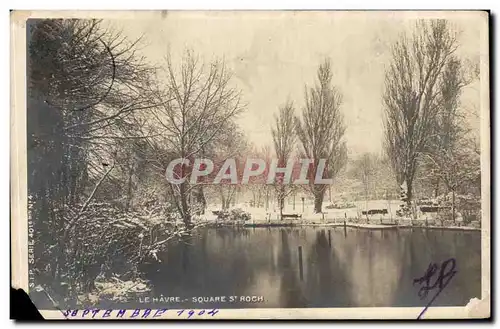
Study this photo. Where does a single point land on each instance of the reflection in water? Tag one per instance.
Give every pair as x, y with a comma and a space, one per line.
341, 267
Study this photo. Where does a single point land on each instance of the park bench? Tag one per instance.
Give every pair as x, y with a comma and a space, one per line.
291, 216
425, 209
375, 211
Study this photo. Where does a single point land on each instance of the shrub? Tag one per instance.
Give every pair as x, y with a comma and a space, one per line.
236, 214
239, 215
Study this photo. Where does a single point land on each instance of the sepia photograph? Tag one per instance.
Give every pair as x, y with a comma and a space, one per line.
251, 164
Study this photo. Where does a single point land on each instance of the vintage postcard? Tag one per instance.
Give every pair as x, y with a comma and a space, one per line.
251, 164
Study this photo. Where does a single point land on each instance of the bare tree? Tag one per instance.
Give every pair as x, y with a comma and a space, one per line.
87, 90
230, 144
321, 130
258, 184
284, 139
450, 155
449, 127
201, 101
456, 167
412, 95
365, 169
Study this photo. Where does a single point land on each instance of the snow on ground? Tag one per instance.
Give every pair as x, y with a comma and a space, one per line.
335, 217
307, 211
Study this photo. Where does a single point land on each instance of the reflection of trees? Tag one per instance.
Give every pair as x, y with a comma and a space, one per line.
290, 288
218, 262
426, 246
326, 280
363, 268
372, 260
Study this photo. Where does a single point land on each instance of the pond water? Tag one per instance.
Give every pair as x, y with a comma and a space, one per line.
341, 267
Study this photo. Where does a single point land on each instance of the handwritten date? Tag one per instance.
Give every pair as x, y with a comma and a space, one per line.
137, 313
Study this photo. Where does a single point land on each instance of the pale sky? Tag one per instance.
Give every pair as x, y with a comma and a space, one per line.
273, 55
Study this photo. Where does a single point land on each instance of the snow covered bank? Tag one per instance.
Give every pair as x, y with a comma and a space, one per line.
262, 217
379, 226
288, 223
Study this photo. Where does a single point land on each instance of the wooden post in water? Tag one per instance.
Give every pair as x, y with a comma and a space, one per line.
329, 238
300, 264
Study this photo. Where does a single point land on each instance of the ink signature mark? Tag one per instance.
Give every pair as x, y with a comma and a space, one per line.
446, 273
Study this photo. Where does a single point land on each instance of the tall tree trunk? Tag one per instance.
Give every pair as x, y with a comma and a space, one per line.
200, 198
267, 198
282, 205
366, 203
281, 200
186, 214
129, 187
409, 185
319, 194
318, 202
223, 199
453, 205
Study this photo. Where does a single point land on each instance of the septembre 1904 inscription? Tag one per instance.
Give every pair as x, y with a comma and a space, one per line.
251, 165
